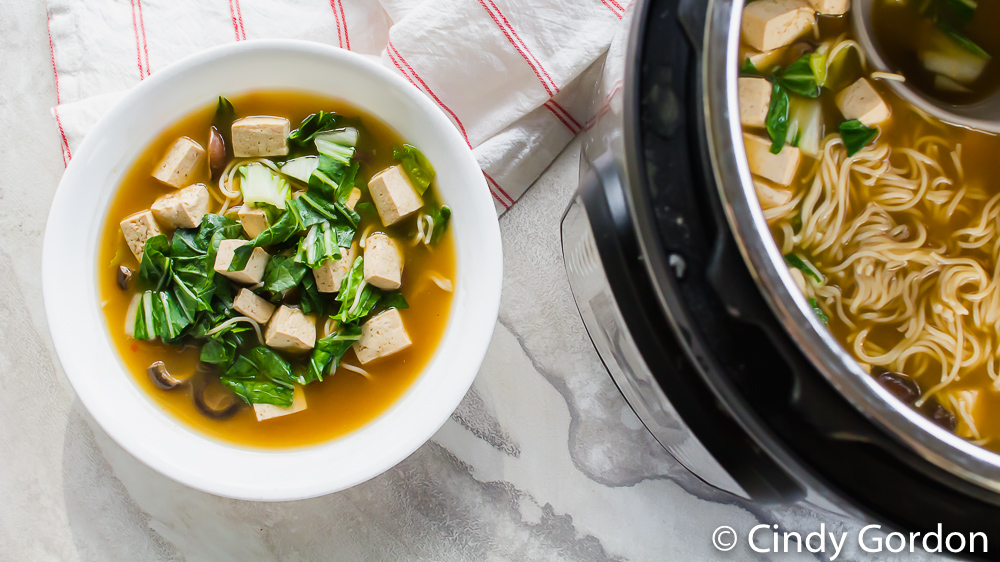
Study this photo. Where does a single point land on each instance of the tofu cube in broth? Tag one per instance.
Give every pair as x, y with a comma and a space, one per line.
260, 135
180, 163
270, 411
138, 228
249, 275
252, 306
394, 196
253, 220
290, 330
382, 336
330, 274
383, 266
183, 208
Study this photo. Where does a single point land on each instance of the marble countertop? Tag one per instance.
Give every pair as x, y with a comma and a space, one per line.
542, 460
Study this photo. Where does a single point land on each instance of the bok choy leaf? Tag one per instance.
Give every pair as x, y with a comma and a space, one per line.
311, 125
328, 352
416, 166
261, 376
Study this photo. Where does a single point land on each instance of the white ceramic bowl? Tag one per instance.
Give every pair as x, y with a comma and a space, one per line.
80, 333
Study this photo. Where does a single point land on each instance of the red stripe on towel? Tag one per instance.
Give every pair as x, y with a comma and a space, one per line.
343, 20
66, 155
566, 113
612, 8
138, 43
497, 187
237, 15
560, 117
145, 44
392, 50
336, 18
550, 87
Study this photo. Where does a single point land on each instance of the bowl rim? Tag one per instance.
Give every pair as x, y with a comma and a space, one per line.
453, 375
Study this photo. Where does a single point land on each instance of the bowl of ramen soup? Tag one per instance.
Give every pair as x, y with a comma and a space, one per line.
886, 218
272, 271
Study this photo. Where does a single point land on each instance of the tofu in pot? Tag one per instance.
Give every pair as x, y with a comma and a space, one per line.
183, 208
779, 168
831, 7
383, 265
755, 100
766, 60
353, 198
260, 136
253, 220
860, 101
137, 229
330, 274
252, 306
771, 197
291, 330
249, 275
770, 24
382, 336
394, 195
269, 411
180, 163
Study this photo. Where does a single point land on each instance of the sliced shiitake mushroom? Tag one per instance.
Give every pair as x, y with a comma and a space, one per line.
161, 377
941, 416
217, 158
215, 409
124, 277
901, 386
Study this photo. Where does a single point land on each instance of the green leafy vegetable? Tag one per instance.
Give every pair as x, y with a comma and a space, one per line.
346, 136
311, 125
962, 41
261, 376
856, 135
260, 185
814, 304
310, 298
803, 265
154, 269
441, 216
393, 299
416, 165
320, 244
748, 69
777, 117
328, 352
817, 63
282, 273
300, 168
159, 315
357, 297
800, 77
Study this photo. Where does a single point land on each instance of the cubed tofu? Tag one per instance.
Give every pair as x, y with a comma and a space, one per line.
353, 198
330, 274
771, 197
183, 208
769, 24
252, 306
860, 101
755, 99
779, 168
394, 195
831, 7
260, 136
137, 229
268, 411
253, 220
381, 336
291, 330
252, 273
766, 60
383, 262
180, 163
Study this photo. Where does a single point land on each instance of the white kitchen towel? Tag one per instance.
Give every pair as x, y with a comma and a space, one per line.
512, 75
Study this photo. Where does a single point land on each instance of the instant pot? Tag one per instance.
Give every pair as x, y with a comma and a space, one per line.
690, 306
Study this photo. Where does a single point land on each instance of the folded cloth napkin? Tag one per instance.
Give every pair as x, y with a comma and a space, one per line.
511, 75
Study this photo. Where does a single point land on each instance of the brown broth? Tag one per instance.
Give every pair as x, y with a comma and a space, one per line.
345, 400
901, 32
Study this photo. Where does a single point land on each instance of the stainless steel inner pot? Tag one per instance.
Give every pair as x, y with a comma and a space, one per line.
746, 219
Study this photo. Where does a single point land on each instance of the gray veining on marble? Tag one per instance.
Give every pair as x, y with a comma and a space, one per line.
542, 461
